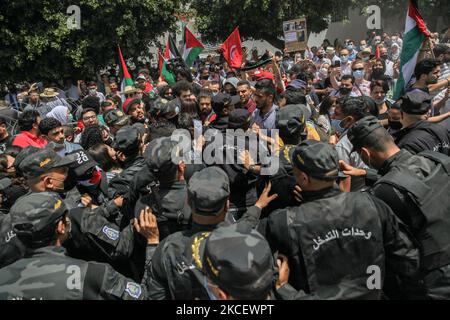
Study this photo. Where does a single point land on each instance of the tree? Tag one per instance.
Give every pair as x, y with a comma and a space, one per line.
38, 45
262, 19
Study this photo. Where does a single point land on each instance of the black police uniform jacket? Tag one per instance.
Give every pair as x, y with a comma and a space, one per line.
417, 188
336, 241
422, 136
49, 274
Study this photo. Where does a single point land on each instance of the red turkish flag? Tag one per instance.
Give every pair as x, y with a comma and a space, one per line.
233, 49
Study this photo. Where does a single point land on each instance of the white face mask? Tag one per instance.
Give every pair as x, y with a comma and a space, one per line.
92, 92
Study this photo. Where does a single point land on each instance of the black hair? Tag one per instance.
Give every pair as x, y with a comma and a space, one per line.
266, 86
205, 93
354, 106
91, 102
347, 77
27, 119
440, 49
48, 124
305, 76
162, 128
326, 105
185, 74
12, 151
294, 96
182, 85
99, 152
84, 111
189, 107
91, 136
380, 83
162, 90
3, 121
425, 67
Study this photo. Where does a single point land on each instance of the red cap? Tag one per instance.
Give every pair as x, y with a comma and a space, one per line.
262, 74
126, 103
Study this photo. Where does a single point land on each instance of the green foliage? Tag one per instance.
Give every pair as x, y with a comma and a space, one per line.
37, 45
262, 19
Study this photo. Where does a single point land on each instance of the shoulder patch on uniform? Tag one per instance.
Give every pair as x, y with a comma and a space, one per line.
111, 233
133, 289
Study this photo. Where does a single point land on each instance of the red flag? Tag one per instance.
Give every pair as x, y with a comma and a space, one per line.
160, 62
377, 52
233, 49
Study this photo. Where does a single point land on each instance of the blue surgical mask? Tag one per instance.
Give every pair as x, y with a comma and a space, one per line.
380, 101
365, 59
336, 125
344, 59
350, 47
70, 118
358, 74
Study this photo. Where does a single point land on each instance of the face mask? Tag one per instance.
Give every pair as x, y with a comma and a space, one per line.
139, 96
358, 74
344, 59
337, 125
395, 125
380, 101
350, 47
377, 72
70, 182
92, 92
365, 59
344, 91
70, 118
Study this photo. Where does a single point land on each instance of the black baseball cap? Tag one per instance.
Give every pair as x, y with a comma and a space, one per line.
223, 100
239, 119
41, 162
361, 129
237, 259
127, 140
318, 159
416, 102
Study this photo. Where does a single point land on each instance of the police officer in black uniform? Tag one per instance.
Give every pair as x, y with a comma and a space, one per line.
333, 238
40, 220
128, 144
417, 133
172, 274
417, 189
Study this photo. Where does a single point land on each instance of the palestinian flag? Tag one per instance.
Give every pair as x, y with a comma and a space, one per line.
192, 47
127, 80
415, 34
170, 53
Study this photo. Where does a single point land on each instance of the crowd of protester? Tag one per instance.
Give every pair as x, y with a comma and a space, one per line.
88, 180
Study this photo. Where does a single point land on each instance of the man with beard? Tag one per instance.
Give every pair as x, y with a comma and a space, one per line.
427, 72
29, 130
207, 114
136, 111
5, 138
265, 114
245, 94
